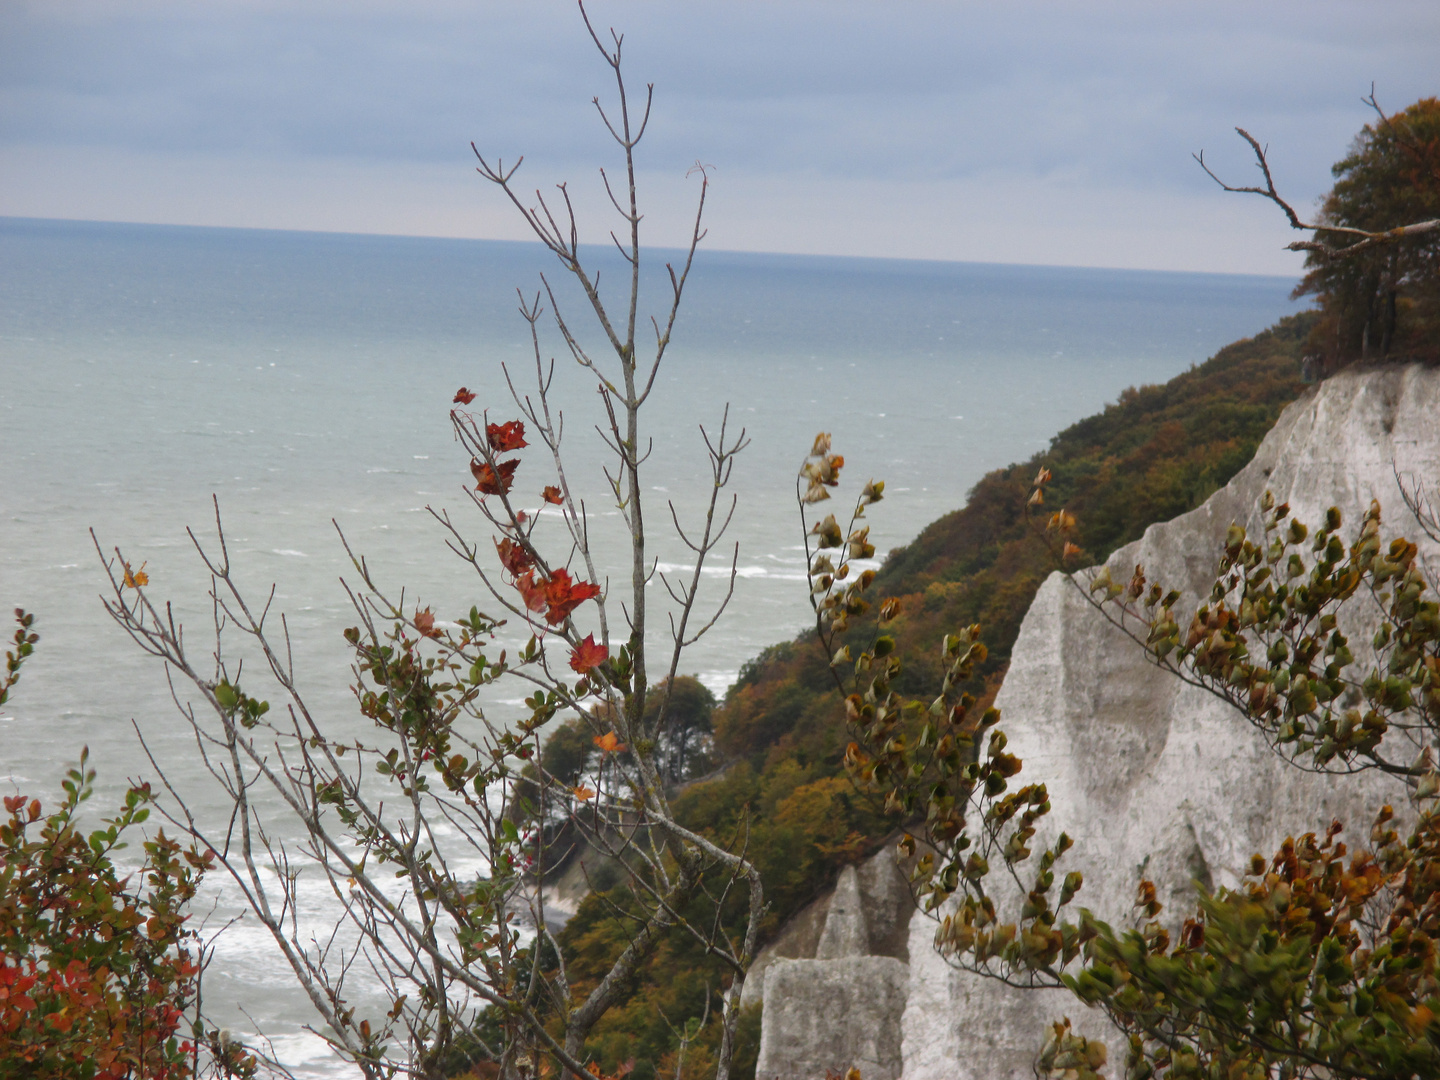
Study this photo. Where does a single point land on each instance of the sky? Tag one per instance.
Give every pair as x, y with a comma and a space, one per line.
1048, 133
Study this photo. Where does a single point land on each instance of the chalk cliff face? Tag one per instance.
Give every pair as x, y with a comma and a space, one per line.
1152, 778
835, 980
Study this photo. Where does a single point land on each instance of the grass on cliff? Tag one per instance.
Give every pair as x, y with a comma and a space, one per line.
1154, 454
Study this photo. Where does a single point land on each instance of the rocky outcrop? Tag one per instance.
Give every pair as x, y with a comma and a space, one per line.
866, 914
1152, 778
842, 1005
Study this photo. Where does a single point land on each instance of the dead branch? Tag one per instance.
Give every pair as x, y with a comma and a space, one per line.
1365, 238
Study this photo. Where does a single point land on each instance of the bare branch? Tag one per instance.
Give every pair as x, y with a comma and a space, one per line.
1367, 239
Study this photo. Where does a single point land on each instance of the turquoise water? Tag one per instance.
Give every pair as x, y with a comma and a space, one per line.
302, 378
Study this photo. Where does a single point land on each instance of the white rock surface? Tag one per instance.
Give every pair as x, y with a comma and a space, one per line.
829, 1015
845, 932
1146, 774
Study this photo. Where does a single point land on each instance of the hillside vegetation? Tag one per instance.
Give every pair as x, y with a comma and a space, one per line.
1156, 453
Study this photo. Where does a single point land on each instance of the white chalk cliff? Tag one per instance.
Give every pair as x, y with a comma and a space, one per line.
1149, 776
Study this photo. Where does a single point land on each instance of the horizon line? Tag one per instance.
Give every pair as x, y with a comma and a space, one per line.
711, 250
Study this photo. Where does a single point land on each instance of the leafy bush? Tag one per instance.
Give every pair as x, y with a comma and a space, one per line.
97, 965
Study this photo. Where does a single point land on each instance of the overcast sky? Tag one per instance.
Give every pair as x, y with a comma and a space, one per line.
1056, 133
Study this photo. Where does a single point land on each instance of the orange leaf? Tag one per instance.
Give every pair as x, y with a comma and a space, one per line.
506, 437
463, 396
136, 578
1070, 551
494, 481
583, 793
608, 743
551, 495
587, 655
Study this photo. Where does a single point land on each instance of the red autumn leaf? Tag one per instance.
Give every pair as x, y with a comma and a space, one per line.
533, 591
551, 495
487, 482
425, 623
514, 557
563, 596
587, 655
463, 396
506, 437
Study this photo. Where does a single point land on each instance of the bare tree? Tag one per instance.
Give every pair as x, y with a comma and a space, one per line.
418, 826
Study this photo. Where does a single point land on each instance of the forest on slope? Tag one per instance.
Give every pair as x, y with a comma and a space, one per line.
1157, 452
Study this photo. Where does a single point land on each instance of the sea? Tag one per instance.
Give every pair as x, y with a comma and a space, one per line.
302, 383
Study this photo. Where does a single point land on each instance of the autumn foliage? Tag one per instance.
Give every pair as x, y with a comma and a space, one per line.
494, 479
587, 655
97, 967
504, 438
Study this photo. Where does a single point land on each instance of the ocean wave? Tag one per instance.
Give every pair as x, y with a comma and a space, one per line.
724, 571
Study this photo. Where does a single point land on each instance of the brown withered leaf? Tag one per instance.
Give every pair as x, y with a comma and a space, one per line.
425, 623
494, 481
514, 557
